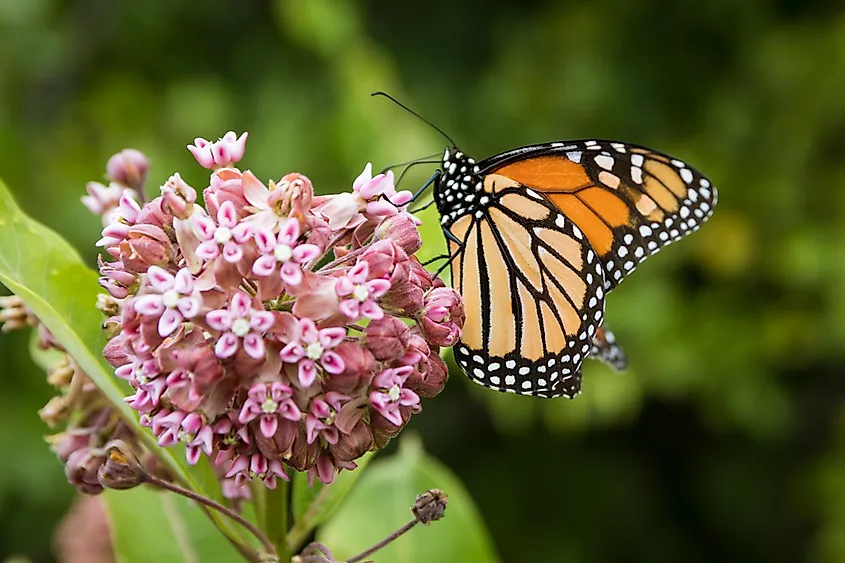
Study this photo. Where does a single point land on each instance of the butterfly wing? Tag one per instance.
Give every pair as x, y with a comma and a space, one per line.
533, 293
628, 200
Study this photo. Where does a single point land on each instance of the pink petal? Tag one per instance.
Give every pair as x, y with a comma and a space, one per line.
261, 321
242, 232
292, 353
169, 322
239, 305
264, 240
255, 192
289, 410
192, 453
312, 426
307, 373
308, 331
359, 273
160, 279
331, 337
332, 362
269, 424
401, 198
254, 346
381, 208
289, 232
188, 306
363, 177
208, 250
264, 265
350, 308
232, 252
344, 287
306, 253
149, 305
371, 310
227, 215
378, 287
184, 283
247, 413
219, 319
291, 274
226, 346
203, 226
408, 398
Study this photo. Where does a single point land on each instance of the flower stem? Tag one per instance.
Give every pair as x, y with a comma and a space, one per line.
268, 547
274, 517
383, 542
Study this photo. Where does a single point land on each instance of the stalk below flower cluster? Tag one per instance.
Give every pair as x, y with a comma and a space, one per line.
269, 328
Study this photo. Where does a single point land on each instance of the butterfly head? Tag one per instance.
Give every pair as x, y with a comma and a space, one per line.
457, 187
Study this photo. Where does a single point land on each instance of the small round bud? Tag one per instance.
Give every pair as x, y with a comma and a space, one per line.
430, 506
121, 469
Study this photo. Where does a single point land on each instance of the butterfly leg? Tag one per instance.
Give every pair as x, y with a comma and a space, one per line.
606, 350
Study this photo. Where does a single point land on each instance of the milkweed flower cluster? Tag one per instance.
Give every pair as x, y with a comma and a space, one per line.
269, 328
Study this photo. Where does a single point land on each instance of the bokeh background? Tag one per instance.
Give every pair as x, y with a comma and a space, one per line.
724, 441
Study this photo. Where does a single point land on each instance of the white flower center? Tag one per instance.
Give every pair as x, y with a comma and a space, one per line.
170, 298
361, 293
314, 351
240, 327
394, 393
185, 437
269, 406
222, 235
283, 252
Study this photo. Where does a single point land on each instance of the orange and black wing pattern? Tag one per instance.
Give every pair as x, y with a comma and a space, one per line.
539, 235
628, 200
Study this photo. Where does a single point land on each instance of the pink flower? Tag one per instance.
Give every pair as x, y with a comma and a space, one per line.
268, 402
442, 316
103, 200
175, 299
225, 238
240, 325
360, 293
226, 151
313, 347
319, 422
188, 428
283, 252
128, 167
118, 222
389, 394
380, 193
248, 467
325, 468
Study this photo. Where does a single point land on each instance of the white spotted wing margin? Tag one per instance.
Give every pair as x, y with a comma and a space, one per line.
553, 326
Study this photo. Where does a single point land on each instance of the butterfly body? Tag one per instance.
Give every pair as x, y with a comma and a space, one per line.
539, 235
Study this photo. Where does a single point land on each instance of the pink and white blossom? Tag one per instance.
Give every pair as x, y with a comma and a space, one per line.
240, 326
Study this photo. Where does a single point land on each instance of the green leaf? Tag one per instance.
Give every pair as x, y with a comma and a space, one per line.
48, 274
151, 525
314, 505
381, 502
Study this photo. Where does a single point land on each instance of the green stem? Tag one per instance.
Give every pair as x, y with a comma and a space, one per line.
274, 517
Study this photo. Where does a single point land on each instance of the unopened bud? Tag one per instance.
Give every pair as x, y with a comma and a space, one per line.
81, 469
430, 506
121, 470
14, 314
128, 167
54, 412
60, 374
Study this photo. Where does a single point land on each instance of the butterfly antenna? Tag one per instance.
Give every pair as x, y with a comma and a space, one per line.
415, 114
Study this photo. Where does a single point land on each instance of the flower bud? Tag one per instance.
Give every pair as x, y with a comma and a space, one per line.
54, 412
128, 167
442, 317
15, 314
383, 429
430, 506
358, 365
81, 470
226, 185
155, 213
353, 445
121, 469
281, 443
65, 443
145, 246
430, 382
387, 338
303, 455
61, 373
402, 230
178, 197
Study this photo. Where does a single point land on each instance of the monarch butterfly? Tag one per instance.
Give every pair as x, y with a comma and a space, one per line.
539, 235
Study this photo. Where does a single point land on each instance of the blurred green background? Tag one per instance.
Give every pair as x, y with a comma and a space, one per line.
724, 441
